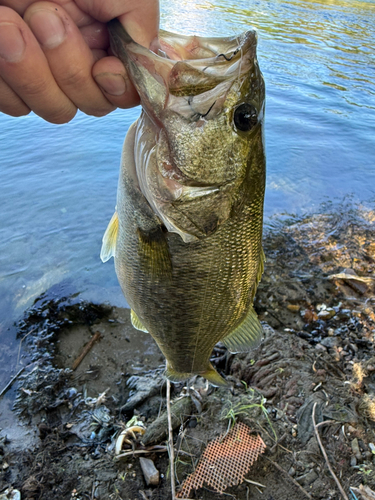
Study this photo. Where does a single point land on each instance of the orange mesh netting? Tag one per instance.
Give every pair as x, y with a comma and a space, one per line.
225, 461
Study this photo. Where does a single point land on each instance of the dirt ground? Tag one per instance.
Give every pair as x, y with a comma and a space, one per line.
317, 362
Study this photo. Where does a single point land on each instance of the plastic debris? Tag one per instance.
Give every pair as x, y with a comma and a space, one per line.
150, 472
225, 461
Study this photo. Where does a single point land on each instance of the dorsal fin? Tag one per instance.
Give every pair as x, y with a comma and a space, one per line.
136, 322
109, 239
246, 336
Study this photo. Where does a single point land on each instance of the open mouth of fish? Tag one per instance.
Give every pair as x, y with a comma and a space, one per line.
187, 85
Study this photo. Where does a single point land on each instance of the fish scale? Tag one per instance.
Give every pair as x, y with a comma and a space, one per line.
187, 233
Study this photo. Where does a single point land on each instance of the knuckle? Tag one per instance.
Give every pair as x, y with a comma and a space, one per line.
33, 88
74, 78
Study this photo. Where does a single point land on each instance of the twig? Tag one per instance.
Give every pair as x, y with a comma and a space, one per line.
153, 449
325, 455
10, 383
326, 422
170, 440
290, 477
278, 442
85, 350
254, 483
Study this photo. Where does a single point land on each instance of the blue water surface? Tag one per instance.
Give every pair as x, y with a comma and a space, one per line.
59, 182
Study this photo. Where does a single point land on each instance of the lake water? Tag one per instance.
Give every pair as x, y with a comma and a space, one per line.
59, 183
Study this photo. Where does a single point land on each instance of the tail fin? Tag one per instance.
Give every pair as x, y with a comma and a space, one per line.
210, 374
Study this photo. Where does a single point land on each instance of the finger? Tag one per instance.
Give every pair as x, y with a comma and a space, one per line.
140, 17
142, 21
68, 56
25, 70
70, 6
95, 35
110, 74
10, 103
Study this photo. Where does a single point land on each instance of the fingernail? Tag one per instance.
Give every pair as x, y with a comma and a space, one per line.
111, 84
48, 28
12, 44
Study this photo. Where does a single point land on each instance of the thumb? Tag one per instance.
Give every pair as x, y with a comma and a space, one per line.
140, 18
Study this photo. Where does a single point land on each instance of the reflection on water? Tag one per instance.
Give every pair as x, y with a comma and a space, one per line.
59, 182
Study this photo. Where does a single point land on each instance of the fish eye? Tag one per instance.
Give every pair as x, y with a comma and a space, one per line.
245, 117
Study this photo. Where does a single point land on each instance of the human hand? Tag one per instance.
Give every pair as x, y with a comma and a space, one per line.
54, 56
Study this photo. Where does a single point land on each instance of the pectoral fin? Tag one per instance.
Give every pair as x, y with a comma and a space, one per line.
154, 253
136, 322
246, 336
109, 239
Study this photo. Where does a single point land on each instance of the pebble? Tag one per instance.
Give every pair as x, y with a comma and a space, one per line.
292, 471
320, 347
355, 449
330, 341
353, 462
307, 478
344, 314
326, 314
150, 472
293, 307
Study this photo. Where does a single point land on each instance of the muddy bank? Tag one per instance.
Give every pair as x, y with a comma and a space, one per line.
316, 300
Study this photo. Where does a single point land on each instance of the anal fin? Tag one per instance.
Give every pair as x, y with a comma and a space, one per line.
248, 335
136, 322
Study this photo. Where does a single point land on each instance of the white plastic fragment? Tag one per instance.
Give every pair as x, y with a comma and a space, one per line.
10, 494
150, 472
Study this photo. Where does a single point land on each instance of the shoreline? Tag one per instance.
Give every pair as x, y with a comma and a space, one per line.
320, 324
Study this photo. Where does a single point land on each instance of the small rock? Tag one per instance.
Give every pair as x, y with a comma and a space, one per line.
293, 307
330, 341
326, 314
331, 332
344, 314
372, 447
320, 347
292, 471
150, 472
353, 462
355, 449
308, 478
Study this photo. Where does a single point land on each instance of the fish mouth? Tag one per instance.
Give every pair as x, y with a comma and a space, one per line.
185, 88
183, 65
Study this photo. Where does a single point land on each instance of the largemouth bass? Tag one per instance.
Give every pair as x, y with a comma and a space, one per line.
186, 234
